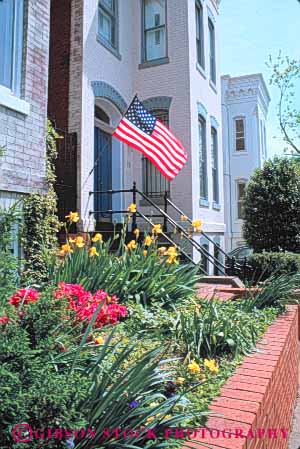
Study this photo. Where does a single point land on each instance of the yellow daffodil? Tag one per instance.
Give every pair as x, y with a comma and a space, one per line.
184, 218
145, 253
79, 241
172, 259
197, 225
131, 245
71, 240
93, 252
99, 340
97, 238
132, 208
157, 229
194, 367
73, 217
148, 241
162, 250
203, 377
211, 365
136, 233
180, 380
66, 249
172, 251
168, 417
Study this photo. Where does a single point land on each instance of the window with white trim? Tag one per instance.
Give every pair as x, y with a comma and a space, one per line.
215, 164
154, 30
202, 157
11, 44
200, 34
241, 187
240, 144
108, 22
212, 50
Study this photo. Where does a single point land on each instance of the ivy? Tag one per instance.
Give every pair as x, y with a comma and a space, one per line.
40, 220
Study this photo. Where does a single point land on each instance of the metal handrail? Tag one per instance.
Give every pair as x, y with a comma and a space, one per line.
219, 265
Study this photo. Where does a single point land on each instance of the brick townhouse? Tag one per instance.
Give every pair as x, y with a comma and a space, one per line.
24, 60
166, 51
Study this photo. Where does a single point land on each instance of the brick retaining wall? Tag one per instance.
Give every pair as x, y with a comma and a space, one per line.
261, 393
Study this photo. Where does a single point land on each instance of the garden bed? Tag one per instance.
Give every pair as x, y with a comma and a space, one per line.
258, 399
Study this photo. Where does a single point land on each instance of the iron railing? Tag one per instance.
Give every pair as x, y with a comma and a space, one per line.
222, 268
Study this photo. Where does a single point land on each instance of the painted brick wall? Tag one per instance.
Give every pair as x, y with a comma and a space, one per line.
59, 62
262, 392
23, 167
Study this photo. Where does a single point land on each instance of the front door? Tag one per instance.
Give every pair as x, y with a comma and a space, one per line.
103, 172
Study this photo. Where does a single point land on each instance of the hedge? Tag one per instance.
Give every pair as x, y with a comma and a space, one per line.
263, 265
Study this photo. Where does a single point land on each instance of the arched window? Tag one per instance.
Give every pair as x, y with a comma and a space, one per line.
202, 157
101, 115
241, 187
154, 183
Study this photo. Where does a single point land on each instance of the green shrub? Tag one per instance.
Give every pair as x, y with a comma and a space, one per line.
263, 265
272, 207
127, 274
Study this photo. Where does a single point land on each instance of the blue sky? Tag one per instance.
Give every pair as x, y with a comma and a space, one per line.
251, 30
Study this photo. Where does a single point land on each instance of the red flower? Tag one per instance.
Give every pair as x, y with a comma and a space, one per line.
85, 304
25, 296
4, 319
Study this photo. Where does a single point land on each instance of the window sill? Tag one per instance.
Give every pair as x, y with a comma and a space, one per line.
216, 206
240, 153
10, 101
204, 203
154, 62
201, 70
213, 86
108, 47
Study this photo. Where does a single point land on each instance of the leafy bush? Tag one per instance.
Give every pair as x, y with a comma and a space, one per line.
9, 276
40, 221
263, 265
272, 207
217, 328
139, 273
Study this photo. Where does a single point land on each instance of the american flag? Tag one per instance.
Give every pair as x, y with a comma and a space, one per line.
144, 132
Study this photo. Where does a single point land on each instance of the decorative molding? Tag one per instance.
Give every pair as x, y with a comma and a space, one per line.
202, 110
214, 122
157, 103
102, 89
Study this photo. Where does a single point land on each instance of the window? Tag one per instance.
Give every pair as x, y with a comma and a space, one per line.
212, 51
240, 134
154, 29
241, 186
154, 183
200, 34
101, 115
11, 44
108, 23
202, 157
214, 164
204, 258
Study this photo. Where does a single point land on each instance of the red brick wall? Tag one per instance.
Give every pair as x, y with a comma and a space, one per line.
261, 394
59, 65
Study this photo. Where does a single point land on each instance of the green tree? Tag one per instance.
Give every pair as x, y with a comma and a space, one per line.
272, 207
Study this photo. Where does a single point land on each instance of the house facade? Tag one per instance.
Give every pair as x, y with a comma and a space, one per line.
167, 52
245, 103
24, 50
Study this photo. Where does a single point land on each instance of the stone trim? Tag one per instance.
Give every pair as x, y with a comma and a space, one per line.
102, 89
158, 103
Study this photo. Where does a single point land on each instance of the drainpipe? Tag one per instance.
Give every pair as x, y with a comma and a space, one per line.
229, 174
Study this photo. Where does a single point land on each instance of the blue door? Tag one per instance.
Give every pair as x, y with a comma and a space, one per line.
102, 172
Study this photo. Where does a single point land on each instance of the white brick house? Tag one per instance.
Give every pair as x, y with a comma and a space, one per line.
166, 51
245, 103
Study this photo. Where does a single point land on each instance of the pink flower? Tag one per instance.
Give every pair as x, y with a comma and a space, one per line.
25, 295
4, 319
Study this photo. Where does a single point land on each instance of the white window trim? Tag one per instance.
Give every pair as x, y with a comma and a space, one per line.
10, 101
161, 60
245, 151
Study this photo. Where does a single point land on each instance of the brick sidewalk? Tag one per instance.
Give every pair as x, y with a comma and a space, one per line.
207, 291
